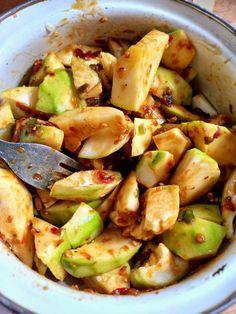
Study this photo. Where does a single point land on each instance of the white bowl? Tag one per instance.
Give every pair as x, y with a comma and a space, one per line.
23, 39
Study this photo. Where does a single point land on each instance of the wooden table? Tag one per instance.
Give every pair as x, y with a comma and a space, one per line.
224, 8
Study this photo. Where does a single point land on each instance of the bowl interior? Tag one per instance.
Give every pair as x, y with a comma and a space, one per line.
128, 19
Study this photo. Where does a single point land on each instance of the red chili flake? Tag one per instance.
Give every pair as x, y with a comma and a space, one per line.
55, 231
170, 38
37, 66
129, 31
86, 55
231, 108
228, 204
217, 133
200, 238
125, 291
121, 72
105, 178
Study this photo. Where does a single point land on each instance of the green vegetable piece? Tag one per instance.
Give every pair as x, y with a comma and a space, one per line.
228, 205
180, 112
84, 226
180, 51
50, 244
199, 239
143, 131
161, 269
57, 93
135, 70
213, 140
21, 99
111, 280
86, 186
195, 175
173, 141
50, 64
154, 167
172, 88
107, 252
33, 130
205, 211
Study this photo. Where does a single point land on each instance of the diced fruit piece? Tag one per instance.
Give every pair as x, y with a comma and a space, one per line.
84, 226
45, 198
86, 185
135, 70
31, 130
172, 88
189, 74
204, 211
88, 53
111, 280
160, 209
161, 269
16, 210
150, 109
228, 206
107, 252
108, 62
83, 123
197, 239
103, 144
180, 112
173, 141
195, 175
213, 140
143, 131
180, 51
21, 99
126, 204
117, 46
154, 167
50, 64
199, 101
106, 206
50, 244
85, 78
40, 266
58, 214
57, 93
6, 122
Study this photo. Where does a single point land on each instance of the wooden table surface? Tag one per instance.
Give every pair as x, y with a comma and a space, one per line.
224, 8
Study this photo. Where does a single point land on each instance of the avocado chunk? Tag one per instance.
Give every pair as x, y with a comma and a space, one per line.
154, 167
204, 211
161, 269
7, 122
103, 144
195, 175
160, 211
135, 70
199, 101
179, 112
213, 140
84, 226
16, 209
60, 213
86, 80
180, 51
172, 89
57, 93
143, 131
50, 244
197, 239
41, 68
228, 206
126, 204
107, 252
86, 186
173, 141
80, 124
110, 281
31, 130
21, 99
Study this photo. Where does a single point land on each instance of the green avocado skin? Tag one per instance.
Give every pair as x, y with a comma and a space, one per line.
198, 239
